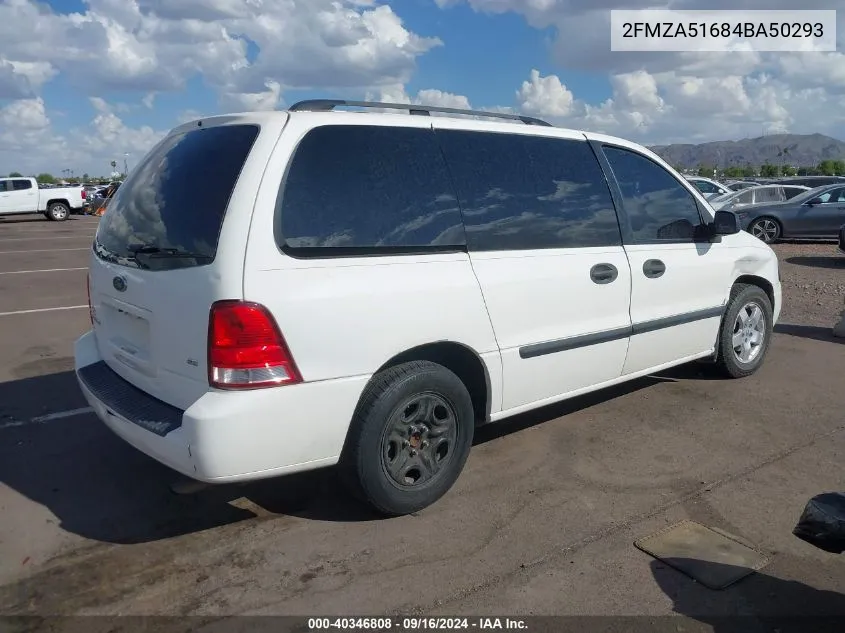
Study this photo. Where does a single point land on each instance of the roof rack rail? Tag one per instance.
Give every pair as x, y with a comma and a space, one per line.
327, 105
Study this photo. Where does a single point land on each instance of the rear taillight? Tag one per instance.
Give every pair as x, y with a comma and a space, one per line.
246, 350
84, 194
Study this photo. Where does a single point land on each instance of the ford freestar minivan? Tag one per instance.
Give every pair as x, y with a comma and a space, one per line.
282, 291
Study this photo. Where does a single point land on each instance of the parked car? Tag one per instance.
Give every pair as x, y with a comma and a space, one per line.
762, 194
738, 185
275, 292
811, 181
21, 196
814, 214
709, 188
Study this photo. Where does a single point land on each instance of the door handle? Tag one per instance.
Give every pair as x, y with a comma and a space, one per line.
653, 268
604, 273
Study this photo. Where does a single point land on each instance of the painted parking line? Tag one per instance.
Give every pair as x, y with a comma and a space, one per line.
41, 419
42, 310
43, 270
46, 250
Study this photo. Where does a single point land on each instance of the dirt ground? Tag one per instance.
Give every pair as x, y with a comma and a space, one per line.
813, 283
542, 521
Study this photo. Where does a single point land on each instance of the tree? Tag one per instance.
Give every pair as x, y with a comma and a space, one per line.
46, 179
86, 177
749, 171
788, 170
768, 171
705, 170
16, 174
734, 171
831, 167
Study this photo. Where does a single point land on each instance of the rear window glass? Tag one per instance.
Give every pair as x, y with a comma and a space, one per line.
353, 189
169, 211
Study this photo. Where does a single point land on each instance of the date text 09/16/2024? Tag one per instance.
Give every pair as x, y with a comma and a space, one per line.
415, 624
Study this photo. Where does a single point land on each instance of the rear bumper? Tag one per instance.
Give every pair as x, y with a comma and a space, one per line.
224, 436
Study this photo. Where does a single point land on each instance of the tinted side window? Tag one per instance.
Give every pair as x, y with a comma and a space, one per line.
21, 185
367, 187
5, 185
658, 206
526, 192
745, 198
834, 195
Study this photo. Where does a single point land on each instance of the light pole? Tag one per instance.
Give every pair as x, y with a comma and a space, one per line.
125, 166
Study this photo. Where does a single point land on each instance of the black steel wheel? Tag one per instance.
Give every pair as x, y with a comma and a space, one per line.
410, 437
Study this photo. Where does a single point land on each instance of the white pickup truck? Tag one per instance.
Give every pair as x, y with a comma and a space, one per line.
19, 196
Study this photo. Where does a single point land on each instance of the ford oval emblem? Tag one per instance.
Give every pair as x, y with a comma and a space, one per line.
119, 284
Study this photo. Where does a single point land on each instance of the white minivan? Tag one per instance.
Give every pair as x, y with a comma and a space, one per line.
276, 292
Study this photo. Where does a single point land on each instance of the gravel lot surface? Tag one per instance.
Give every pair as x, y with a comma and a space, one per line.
542, 521
813, 283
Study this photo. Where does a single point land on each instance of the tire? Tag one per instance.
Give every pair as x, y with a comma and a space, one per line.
744, 298
58, 211
766, 229
381, 440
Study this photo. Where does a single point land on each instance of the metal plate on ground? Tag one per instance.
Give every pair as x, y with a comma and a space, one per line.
710, 557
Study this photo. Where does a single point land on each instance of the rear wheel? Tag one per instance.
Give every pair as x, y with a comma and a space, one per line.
58, 211
746, 331
766, 229
409, 438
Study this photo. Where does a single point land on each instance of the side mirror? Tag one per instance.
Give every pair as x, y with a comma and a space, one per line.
726, 223
814, 202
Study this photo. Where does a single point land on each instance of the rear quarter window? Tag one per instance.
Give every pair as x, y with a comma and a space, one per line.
367, 189
174, 202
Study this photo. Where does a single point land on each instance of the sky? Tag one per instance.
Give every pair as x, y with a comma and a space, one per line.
85, 82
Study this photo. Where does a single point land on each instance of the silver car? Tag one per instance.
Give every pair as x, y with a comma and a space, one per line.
762, 194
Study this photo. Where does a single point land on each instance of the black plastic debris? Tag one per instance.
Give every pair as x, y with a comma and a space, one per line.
822, 523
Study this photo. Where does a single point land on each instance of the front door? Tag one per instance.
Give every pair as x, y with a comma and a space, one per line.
678, 285
24, 195
545, 245
822, 219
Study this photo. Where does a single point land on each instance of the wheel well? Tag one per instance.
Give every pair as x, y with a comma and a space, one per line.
459, 359
64, 202
760, 282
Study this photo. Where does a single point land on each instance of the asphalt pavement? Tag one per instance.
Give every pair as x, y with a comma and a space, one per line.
541, 522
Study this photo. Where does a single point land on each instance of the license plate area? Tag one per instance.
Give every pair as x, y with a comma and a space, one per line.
127, 333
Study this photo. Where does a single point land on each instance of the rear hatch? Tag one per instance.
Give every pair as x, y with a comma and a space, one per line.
156, 269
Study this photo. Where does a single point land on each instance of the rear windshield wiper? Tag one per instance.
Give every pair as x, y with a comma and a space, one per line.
159, 252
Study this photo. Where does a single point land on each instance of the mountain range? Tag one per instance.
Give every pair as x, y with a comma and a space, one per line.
798, 150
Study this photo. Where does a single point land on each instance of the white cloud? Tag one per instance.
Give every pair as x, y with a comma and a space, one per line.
685, 97
267, 99
30, 144
545, 95
151, 45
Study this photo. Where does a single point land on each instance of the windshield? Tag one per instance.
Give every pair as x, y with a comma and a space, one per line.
808, 195
172, 206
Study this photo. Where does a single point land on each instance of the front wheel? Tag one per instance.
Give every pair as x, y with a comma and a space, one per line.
746, 331
765, 229
58, 212
409, 438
